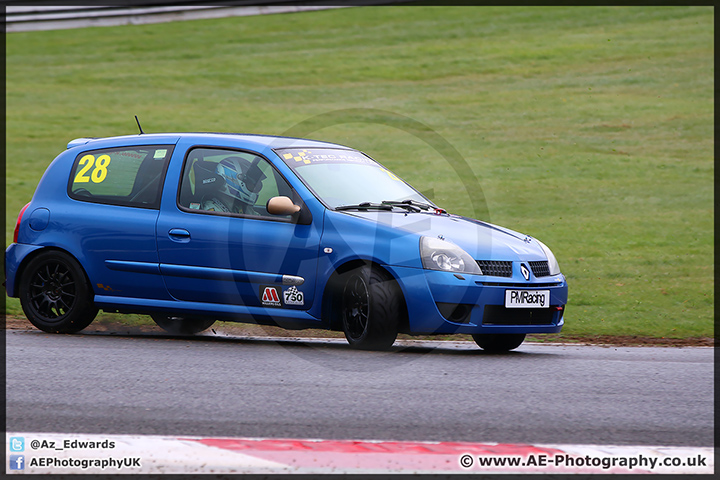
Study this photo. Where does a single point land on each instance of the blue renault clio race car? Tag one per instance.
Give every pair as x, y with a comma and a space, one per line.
191, 228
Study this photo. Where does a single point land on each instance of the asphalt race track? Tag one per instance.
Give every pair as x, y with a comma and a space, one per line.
240, 387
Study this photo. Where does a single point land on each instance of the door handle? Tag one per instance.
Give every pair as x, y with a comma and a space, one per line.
179, 235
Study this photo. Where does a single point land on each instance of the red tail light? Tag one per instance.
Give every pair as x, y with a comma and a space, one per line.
17, 224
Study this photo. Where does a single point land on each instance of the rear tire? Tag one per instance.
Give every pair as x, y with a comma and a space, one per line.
370, 308
55, 294
181, 325
498, 342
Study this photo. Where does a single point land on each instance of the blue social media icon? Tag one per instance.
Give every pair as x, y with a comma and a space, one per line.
17, 462
17, 444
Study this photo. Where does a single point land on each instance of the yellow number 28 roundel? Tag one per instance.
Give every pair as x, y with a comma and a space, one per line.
98, 173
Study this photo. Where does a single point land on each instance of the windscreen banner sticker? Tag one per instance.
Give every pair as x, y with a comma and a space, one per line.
270, 296
298, 157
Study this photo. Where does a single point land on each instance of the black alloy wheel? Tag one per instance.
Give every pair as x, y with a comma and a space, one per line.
370, 308
55, 295
356, 306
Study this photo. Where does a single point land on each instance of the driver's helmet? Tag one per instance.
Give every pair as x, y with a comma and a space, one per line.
238, 183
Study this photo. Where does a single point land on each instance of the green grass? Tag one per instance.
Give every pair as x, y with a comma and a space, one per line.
590, 128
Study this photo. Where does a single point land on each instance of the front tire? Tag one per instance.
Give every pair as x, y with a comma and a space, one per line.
370, 308
182, 325
498, 342
55, 294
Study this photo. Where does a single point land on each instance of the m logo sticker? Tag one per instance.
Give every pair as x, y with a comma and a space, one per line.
270, 296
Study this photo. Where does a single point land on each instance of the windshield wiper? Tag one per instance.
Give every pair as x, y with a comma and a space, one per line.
365, 206
410, 205
414, 205
406, 204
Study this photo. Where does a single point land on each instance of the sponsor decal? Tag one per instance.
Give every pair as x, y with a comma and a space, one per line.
300, 157
293, 296
270, 296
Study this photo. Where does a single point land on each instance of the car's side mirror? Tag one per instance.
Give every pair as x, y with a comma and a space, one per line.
281, 206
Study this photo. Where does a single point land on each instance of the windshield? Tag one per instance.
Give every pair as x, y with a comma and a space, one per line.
347, 177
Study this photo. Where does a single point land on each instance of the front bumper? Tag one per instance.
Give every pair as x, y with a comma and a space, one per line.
443, 302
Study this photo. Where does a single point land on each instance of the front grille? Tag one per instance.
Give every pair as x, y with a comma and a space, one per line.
494, 268
499, 315
540, 269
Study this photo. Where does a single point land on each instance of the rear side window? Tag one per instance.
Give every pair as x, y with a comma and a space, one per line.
129, 176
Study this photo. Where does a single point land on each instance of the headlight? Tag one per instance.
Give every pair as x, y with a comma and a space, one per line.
552, 261
442, 255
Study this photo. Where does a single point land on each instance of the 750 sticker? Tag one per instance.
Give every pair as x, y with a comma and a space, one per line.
293, 296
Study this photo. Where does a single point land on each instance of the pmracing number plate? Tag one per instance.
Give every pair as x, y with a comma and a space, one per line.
527, 298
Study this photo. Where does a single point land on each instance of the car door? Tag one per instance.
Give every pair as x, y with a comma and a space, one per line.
111, 215
218, 244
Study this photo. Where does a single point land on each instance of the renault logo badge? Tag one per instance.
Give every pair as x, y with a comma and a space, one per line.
525, 272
